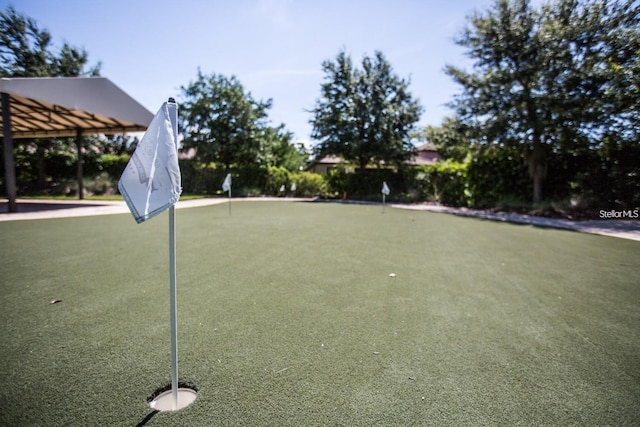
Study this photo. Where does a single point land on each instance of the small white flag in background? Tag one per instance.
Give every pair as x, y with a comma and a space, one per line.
150, 184
282, 188
226, 185
385, 188
293, 187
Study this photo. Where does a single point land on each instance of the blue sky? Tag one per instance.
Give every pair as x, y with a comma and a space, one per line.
274, 47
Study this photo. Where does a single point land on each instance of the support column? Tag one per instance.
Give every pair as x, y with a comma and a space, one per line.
80, 162
9, 160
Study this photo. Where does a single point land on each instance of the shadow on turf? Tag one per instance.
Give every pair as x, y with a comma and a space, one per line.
147, 419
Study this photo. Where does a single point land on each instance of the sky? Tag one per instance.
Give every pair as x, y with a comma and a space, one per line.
152, 48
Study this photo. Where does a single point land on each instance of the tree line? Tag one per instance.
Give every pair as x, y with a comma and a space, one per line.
548, 111
556, 89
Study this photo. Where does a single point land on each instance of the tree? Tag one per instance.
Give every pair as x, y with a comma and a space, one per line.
450, 139
280, 151
550, 80
222, 121
364, 115
118, 144
27, 51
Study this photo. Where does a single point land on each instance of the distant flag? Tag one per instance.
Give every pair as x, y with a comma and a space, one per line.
385, 188
282, 188
150, 184
293, 187
385, 192
226, 185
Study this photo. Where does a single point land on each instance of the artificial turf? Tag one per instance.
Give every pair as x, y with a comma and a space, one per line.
287, 316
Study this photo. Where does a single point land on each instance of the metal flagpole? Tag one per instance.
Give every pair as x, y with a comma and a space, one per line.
229, 200
385, 191
173, 115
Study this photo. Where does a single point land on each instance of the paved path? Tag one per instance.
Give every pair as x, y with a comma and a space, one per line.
41, 209
625, 229
29, 209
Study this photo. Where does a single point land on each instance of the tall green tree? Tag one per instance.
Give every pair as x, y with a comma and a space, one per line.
450, 139
26, 50
279, 150
222, 121
553, 80
364, 115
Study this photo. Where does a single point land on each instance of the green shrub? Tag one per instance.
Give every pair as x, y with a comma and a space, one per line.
309, 184
276, 178
444, 182
100, 185
112, 164
496, 173
336, 183
248, 181
197, 178
367, 184
613, 180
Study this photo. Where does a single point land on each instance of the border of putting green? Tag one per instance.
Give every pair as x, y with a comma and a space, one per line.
42, 209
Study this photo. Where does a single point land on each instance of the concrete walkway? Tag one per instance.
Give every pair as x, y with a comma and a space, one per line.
29, 209
625, 229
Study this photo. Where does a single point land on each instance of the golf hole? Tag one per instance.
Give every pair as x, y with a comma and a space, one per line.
163, 400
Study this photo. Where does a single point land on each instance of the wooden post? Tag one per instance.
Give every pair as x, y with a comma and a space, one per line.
80, 163
9, 161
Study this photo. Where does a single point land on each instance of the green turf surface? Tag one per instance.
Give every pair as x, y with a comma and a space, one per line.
287, 316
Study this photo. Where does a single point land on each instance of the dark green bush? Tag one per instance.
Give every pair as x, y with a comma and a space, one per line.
250, 181
444, 182
367, 184
276, 178
309, 184
612, 180
496, 173
112, 164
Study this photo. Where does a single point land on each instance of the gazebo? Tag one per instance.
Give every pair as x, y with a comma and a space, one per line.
63, 107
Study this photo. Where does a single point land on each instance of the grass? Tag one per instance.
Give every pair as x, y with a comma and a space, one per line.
287, 316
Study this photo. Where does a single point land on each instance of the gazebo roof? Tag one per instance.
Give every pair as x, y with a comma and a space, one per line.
66, 106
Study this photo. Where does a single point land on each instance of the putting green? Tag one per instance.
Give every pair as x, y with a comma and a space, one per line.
287, 315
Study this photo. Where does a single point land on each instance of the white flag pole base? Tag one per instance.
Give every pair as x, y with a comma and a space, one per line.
164, 401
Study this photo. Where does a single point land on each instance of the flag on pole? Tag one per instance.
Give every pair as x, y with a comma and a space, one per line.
150, 184
385, 193
385, 188
226, 185
293, 187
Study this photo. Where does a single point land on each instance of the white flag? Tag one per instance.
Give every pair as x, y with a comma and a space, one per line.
226, 185
293, 187
282, 188
150, 184
385, 188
